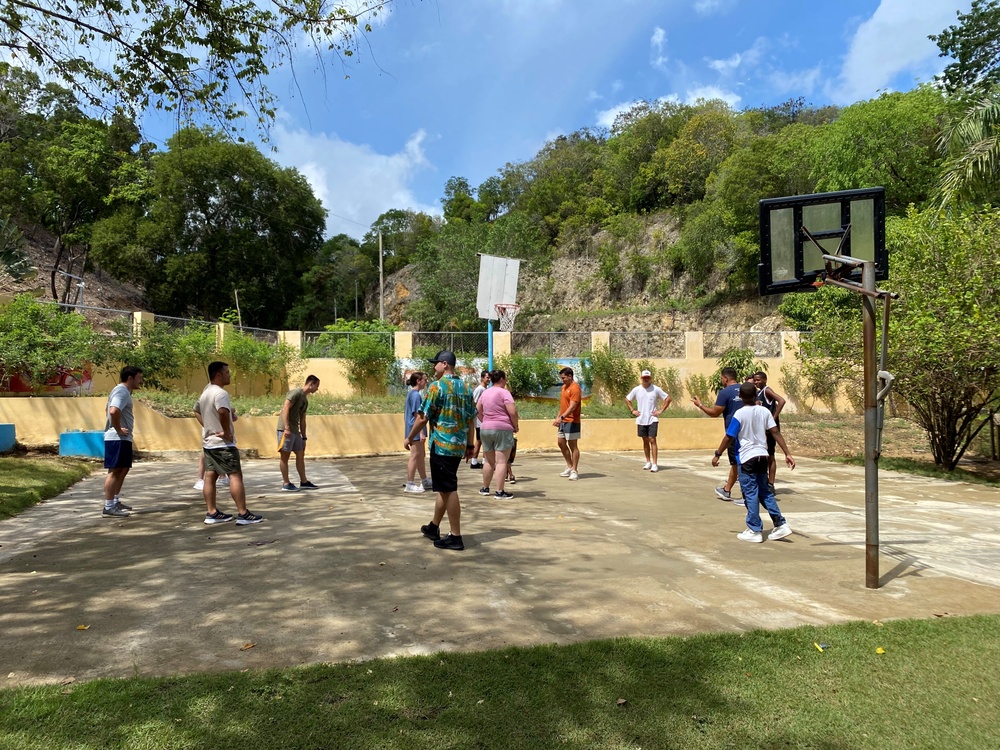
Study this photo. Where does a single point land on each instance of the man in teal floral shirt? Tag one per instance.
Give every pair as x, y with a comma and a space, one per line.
449, 409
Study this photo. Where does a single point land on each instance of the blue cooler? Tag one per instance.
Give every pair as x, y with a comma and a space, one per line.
7, 437
88, 443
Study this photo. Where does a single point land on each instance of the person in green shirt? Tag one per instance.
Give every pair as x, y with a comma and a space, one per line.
451, 413
292, 434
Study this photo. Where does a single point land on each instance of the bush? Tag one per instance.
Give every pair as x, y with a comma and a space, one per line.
611, 371
528, 375
698, 386
153, 347
369, 350
741, 360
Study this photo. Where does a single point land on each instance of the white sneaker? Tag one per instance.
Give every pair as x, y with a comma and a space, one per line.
427, 483
749, 535
654, 468
566, 472
779, 532
224, 480
413, 487
647, 466
200, 484
573, 476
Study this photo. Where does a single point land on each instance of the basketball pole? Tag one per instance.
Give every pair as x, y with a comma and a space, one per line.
489, 344
868, 297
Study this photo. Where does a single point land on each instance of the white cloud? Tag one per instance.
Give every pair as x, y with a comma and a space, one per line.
727, 66
893, 41
353, 181
747, 59
606, 117
712, 92
799, 82
656, 43
708, 7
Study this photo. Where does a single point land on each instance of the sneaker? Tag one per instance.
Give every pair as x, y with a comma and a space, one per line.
307, 486
566, 472
218, 517
739, 502
502, 495
224, 480
573, 476
200, 484
484, 491
754, 537
289, 488
431, 531
723, 493
120, 504
512, 479
779, 532
413, 487
475, 464
654, 468
115, 511
449, 542
427, 483
247, 518
646, 466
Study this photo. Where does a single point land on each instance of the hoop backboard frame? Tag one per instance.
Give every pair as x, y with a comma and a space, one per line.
497, 284
796, 231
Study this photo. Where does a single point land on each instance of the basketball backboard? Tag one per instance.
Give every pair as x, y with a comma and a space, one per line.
497, 284
796, 231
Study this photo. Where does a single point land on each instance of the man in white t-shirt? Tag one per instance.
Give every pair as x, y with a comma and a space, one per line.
749, 427
650, 401
218, 441
118, 426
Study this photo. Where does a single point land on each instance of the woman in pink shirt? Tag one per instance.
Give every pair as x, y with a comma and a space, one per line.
498, 414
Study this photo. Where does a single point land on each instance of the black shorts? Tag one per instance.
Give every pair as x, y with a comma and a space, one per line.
479, 437
731, 452
771, 443
647, 430
444, 471
117, 454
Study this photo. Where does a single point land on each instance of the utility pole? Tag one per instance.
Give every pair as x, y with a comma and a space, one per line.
381, 281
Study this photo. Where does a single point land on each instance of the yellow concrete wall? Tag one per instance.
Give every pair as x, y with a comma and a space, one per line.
39, 421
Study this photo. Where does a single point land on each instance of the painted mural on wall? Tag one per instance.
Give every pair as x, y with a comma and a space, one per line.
65, 382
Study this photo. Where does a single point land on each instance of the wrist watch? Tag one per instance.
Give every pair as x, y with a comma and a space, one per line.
718, 455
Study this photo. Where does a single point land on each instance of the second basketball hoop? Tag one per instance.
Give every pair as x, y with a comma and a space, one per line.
506, 313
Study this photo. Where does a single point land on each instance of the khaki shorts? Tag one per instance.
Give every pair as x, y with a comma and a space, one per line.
222, 460
293, 442
497, 440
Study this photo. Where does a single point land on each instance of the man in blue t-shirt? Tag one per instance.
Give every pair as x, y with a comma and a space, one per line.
726, 403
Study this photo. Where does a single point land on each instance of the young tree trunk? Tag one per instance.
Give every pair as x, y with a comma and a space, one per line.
55, 267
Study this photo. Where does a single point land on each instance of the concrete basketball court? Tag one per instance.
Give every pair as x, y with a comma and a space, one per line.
343, 573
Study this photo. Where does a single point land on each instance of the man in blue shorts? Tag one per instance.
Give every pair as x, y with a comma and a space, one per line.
118, 426
726, 403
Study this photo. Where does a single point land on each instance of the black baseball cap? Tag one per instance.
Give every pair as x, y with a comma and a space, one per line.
444, 356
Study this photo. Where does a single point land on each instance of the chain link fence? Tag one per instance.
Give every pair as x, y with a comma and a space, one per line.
761, 343
649, 344
556, 344
466, 344
324, 344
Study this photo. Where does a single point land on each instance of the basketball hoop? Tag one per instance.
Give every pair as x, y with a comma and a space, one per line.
506, 315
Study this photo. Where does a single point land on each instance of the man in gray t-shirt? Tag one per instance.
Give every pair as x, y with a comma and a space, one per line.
119, 423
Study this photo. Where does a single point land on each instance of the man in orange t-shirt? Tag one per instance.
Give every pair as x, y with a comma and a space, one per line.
568, 423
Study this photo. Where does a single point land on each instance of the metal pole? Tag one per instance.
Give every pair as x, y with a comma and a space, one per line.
489, 344
381, 281
871, 427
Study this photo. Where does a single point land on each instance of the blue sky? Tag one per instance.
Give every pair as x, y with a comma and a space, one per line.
461, 87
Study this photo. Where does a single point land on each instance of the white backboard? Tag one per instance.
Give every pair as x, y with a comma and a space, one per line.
497, 284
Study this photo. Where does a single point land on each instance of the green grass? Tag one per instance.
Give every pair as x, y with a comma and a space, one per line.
934, 687
920, 468
26, 481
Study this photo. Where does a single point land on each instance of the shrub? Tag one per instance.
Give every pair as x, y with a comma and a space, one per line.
741, 360
611, 371
153, 347
528, 375
698, 386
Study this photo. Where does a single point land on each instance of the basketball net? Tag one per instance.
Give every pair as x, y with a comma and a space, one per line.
506, 315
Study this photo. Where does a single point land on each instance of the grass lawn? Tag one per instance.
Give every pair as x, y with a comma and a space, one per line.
27, 480
933, 687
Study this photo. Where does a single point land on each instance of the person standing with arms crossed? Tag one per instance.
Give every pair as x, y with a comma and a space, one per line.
449, 410
218, 442
726, 404
568, 423
118, 426
292, 434
646, 413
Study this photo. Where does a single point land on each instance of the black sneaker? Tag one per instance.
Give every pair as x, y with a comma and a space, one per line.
502, 495
307, 486
129, 507
450, 542
484, 491
218, 517
244, 519
431, 531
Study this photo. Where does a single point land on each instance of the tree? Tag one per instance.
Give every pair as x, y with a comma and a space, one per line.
210, 55
971, 144
942, 335
890, 141
974, 46
332, 286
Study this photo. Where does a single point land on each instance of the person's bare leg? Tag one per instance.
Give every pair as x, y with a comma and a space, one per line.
733, 476
439, 508
411, 463
300, 465
238, 491
654, 451
489, 467
283, 465
421, 464
567, 454
454, 509
113, 483
772, 468
209, 492
501, 470
645, 449
574, 451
